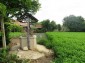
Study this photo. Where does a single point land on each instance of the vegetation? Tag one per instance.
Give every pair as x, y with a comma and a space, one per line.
69, 47
74, 23
2, 16
59, 27
14, 27
20, 8
48, 25
16, 34
15, 8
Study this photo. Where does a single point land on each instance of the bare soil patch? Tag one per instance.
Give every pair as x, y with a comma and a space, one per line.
45, 59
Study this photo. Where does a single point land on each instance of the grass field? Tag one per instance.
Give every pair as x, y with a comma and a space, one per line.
69, 47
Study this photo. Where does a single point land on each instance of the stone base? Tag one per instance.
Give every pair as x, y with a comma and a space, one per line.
24, 44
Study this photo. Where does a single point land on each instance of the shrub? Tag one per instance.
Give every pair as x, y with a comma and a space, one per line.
15, 28
11, 28
8, 28
46, 42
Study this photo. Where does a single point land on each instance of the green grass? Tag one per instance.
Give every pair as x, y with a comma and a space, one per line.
16, 34
69, 47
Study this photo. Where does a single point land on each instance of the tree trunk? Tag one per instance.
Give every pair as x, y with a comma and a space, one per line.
3, 33
28, 33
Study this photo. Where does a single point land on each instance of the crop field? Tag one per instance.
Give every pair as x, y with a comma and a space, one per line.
69, 47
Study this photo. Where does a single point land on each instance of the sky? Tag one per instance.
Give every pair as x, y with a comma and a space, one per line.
58, 9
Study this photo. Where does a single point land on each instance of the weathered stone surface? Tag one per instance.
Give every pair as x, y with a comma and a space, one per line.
44, 50
30, 54
25, 48
32, 44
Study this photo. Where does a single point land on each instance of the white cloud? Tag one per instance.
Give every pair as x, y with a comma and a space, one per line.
57, 9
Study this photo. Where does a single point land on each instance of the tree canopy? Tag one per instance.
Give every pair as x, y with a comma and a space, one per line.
2, 10
48, 25
59, 27
74, 23
19, 8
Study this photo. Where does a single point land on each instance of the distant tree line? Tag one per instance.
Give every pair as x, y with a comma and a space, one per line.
73, 24
70, 23
49, 26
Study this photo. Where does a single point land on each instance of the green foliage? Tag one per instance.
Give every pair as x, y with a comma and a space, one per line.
20, 8
48, 26
45, 42
69, 47
5, 57
53, 25
2, 10
59, 27
13, 27
42, 39
74, 23
16, 34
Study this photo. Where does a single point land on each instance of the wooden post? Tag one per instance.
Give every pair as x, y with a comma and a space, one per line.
28, 33
3, 32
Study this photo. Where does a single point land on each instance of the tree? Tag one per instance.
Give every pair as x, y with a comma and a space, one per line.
74, 23
53, 26
45, 24
48, 25
16, 8
2, 15
20, 8
58, 27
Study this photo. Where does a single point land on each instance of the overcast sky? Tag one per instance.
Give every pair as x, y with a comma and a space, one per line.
57, 9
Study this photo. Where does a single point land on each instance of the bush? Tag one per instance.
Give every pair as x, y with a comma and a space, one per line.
15, 28
9, 27
46, 42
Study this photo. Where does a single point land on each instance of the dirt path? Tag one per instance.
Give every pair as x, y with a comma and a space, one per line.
43, 60
41, 55
48, 55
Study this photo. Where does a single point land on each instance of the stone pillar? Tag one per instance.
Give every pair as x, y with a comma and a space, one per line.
32, 43
23, 43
